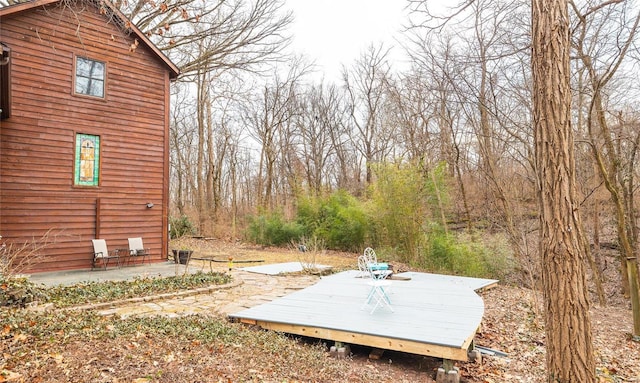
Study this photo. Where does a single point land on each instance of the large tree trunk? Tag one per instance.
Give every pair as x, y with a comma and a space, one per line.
568, 326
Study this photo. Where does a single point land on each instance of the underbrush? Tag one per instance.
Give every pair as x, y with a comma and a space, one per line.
464, 254
488, 256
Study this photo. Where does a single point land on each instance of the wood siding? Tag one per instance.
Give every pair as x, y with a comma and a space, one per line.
37, 142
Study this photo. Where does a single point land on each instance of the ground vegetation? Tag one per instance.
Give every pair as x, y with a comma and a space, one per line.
79, 346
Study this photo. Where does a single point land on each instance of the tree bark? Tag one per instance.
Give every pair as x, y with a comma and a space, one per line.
568, 325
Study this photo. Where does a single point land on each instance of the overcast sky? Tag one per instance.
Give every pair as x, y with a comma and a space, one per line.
335, 32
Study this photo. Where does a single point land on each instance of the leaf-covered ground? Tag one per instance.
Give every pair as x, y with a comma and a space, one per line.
513, 324
85, 348
82, 347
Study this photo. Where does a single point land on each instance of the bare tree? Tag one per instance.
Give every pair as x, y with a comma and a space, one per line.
182, 135
316, 125
475, 63
366, 89
601, 62
268, 117
242, 34
570, 356
432, 113
344, 172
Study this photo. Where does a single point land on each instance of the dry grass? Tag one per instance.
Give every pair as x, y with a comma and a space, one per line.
252, 255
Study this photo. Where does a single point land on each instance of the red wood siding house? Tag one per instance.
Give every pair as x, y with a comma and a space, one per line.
84, 131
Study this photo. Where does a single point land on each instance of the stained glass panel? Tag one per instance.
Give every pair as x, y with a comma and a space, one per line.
87, 161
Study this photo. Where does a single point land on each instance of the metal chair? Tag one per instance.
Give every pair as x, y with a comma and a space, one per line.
362, 266
371, 260
370, 255
137, 249
377, 282
102, 254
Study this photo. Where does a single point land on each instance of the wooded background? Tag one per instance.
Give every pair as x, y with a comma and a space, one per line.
253, 130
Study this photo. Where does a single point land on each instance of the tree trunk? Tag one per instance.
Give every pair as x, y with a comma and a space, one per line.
234, 191
568, 325
202, 97
210, 169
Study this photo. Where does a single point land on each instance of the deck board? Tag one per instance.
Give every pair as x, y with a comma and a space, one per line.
281, 268
433, 315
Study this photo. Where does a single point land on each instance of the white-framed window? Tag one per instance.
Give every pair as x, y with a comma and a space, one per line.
90, 77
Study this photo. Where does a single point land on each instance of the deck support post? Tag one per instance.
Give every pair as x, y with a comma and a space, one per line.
376, 353
475, 356
448, 373
340, 350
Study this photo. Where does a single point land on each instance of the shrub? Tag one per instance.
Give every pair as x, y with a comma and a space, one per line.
16, 258
449, 255
181, 226
272, 229
308, 250
498, 256
339, 220
488, 257
401, 206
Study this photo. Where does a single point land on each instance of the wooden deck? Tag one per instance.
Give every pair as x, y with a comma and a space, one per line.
434, 315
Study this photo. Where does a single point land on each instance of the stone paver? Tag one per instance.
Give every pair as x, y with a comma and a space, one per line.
249, 289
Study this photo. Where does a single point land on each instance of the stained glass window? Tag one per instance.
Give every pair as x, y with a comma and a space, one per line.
87, 162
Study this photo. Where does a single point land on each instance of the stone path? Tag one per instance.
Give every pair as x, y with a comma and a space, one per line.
247, 290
